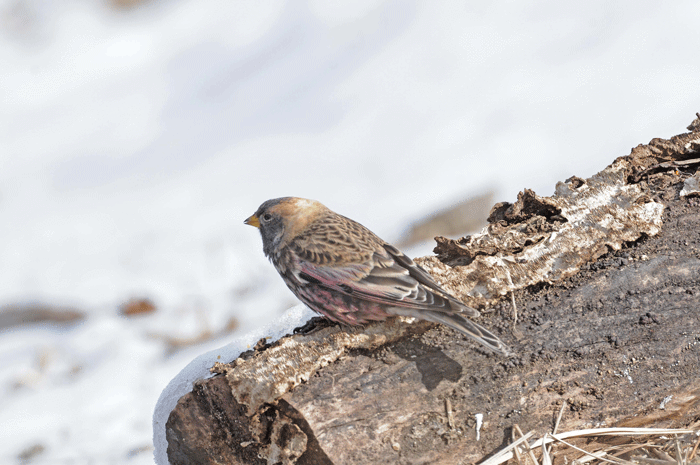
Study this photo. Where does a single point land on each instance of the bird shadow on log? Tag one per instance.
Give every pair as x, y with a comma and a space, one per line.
432, 363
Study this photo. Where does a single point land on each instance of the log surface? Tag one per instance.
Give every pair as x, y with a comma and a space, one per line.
618, 342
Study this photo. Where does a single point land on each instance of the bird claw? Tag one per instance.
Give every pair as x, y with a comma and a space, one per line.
314, 324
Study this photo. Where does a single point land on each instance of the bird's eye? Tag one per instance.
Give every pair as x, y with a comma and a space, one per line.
266, 217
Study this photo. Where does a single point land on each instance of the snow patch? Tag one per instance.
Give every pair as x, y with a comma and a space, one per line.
199, 369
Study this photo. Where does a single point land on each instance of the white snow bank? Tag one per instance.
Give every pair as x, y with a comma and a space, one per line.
199, 369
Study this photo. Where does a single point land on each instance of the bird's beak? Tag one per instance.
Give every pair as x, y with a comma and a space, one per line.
253, 221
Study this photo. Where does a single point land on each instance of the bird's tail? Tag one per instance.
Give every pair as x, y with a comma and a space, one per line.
467, 327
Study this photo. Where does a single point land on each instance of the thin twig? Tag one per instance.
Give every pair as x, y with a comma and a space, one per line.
546, 459
663, 455
561, 411
450, 415
518, 457
627, 450
512, 297
506, 453
590, 457
556, 424
529, 450
695, 449
680, 456
649, 461
616, 461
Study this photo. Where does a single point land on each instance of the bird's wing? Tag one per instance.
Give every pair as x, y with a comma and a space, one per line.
389, 277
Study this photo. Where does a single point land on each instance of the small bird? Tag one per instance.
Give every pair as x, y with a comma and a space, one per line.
345, 272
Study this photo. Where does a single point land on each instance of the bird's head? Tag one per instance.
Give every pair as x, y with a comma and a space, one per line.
281, 220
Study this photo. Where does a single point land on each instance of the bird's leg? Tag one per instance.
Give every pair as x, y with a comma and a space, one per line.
314, 324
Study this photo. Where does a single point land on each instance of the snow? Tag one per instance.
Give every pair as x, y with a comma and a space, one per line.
199, 369
134, 143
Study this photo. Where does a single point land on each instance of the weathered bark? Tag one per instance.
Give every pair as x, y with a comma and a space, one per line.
606, 278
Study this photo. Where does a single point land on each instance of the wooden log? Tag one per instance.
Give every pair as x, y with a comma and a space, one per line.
606, 280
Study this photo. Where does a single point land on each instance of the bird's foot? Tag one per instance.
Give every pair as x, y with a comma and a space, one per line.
314, 324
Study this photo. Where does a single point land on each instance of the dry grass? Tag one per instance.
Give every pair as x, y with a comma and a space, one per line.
622, 446
619, 446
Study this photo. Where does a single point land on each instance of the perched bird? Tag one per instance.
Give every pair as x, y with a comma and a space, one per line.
343, 271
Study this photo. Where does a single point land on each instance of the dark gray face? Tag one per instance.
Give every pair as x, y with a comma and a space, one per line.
271, 225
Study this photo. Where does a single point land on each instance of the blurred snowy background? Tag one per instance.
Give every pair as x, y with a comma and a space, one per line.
135, 137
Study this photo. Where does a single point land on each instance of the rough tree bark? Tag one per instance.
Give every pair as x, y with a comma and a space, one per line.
605, 275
